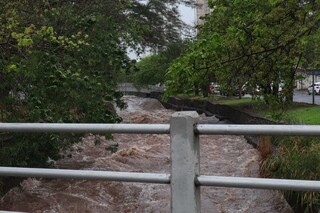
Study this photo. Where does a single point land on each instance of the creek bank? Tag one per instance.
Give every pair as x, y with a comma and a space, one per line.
222, 112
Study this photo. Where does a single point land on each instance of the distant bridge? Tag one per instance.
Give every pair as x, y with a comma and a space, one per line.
130, 89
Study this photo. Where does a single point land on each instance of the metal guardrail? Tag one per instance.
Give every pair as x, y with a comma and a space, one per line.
185, 178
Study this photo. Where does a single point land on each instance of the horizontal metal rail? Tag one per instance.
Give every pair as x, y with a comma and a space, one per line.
11, 212
86, 174
203, 129
258, 183
225, 129
90, 128
202, 180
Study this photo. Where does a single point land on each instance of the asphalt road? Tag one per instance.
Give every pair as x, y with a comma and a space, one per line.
303, 97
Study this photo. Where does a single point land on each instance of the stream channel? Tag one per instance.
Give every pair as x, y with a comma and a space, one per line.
219, 155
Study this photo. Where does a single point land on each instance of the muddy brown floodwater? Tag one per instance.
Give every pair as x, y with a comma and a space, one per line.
220, 155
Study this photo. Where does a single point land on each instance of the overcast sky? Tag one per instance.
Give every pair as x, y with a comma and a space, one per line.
187, 14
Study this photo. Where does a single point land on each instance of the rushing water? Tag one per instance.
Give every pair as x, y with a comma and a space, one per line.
220, 155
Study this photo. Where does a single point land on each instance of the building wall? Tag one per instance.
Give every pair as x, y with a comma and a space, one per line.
202, 9
307, 81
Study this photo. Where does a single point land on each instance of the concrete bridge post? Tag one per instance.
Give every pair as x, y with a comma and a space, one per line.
185, 163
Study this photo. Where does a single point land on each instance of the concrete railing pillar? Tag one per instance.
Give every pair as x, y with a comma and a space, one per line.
185, 160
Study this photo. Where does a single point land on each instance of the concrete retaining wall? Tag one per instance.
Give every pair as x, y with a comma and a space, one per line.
222, 112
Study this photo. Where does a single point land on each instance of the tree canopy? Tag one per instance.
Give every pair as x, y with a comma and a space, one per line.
259, 42
59, 62
151, 69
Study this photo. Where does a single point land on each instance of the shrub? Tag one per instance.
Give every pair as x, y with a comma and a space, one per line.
296, 158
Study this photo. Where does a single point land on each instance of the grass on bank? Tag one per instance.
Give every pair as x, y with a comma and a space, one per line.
307, 114
299, 113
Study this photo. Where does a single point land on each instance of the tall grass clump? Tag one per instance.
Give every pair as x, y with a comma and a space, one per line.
296, 157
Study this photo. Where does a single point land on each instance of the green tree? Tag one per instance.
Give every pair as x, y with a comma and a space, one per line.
262, 42
151, 69
59, 62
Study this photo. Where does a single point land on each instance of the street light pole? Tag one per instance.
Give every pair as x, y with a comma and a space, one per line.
313, 88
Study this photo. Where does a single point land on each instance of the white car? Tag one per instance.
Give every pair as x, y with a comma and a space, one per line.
315, 87
281, 85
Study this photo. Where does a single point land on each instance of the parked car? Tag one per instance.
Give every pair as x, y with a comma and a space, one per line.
214, 87
281, 86
315, 87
